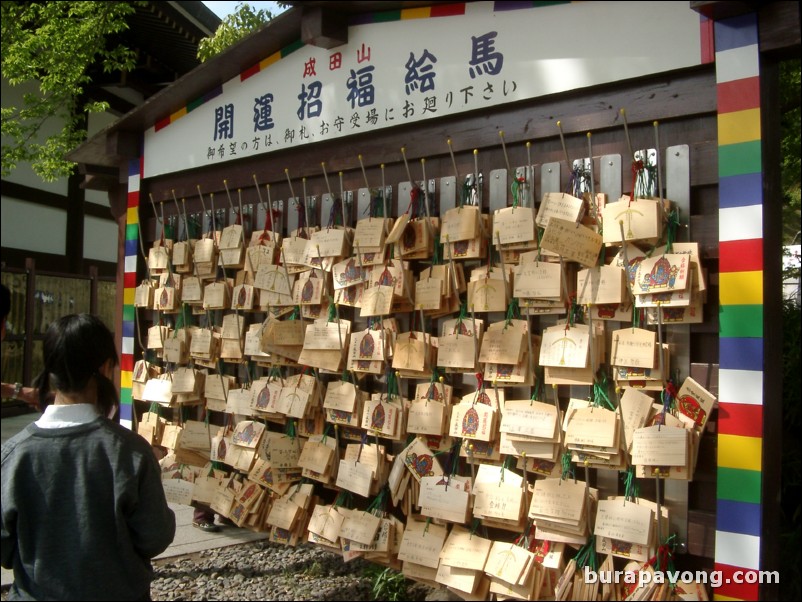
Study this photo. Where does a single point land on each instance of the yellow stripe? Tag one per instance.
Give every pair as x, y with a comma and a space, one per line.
133, 216
739, 126
741, 288
736, 451
716, 596
129, 295
416, 13
276, 56
178, 114
126, 378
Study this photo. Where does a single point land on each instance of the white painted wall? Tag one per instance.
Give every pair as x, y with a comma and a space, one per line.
23, 174
32, 227
100, 239
37, 228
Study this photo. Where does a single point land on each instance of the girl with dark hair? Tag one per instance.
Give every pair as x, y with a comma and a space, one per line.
83, 507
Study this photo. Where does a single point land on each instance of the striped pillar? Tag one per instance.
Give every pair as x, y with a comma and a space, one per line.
129, 290
738, 511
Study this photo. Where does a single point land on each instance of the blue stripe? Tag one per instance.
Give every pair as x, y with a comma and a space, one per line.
740, 191
133, 167
128, 328
131, 247
740, 353
738, 517
125, 411
213, 94
736, 32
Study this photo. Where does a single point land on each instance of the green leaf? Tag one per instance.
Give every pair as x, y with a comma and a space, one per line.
239, 24
49, 48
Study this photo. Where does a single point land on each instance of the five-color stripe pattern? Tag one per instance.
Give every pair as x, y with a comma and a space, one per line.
738, 512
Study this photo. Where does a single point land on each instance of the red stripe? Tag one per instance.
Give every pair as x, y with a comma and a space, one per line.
133, 199
740, 419
707, 39
249, 72
741, 591
129, 280
162, 123
739, 95
447, 10
741, 255
127, 362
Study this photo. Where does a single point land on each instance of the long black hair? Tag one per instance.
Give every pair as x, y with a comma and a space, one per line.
75, 348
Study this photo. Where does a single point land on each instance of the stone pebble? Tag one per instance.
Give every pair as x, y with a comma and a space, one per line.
265, 571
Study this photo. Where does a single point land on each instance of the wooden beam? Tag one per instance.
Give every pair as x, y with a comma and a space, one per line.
56, 264
121, 145
771, 548
779, 29
323, 28
75, 225
722, 10
29, 194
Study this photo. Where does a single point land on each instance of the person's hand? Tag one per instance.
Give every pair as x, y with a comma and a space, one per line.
29, 395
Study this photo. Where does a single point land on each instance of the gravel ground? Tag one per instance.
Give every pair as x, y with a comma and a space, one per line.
264, 571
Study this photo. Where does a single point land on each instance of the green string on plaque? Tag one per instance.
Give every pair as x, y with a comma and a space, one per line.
516, 187
344, 499
538, 389
586, 556
601, 395
631, 486
565, 463
463, 313
671, 229
193, 228
513, 311
377, 204
379, 501
465, 193
392, 384
436, 258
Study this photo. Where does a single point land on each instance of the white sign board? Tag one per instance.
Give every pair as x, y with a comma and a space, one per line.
422, 66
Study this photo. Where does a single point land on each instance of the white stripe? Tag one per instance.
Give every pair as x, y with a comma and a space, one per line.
128, 345
740, 386
127, 424
737, 63
130, 264
738, 550
740, 223
133, 183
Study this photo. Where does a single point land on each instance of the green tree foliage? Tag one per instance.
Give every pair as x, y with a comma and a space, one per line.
56, 45
791, 125
232, 29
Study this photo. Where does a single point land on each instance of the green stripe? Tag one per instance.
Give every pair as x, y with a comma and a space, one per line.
387, 16
742, 321
290, 48
535, 4
194, 104
126, 396
132, 231
739, 159
129, 313
738, 485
